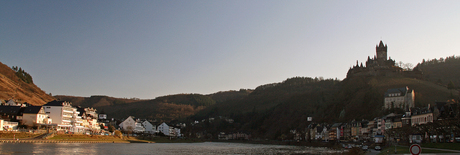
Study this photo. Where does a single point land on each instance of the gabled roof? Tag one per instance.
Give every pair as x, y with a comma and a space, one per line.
32, 110
54, 103
397, 90
10, 110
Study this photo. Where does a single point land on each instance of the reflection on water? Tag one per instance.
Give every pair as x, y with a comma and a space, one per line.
159, 148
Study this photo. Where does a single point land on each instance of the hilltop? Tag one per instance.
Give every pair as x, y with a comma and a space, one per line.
164, 108
18, 85
273, 109
441, 71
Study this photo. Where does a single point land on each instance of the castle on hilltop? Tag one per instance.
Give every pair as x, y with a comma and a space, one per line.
381, 65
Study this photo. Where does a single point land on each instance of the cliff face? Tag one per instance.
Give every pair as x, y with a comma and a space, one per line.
11, 87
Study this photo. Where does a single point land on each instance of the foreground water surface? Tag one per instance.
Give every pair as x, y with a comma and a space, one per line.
158, 148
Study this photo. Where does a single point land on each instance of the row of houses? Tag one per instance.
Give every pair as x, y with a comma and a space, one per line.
374, 130
145, 126
57, 115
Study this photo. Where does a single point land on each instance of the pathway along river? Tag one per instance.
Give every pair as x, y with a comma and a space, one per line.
158, 148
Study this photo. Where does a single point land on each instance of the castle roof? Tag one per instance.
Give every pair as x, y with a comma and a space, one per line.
403, 91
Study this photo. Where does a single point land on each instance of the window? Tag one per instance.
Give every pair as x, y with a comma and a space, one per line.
47, 112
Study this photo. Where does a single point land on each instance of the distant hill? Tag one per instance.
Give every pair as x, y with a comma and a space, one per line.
17, 84
164, 108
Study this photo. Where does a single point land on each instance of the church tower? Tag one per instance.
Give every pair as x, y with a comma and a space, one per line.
381, 51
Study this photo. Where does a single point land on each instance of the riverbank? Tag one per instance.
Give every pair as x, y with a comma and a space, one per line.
59, 141
25, 137
333, 145
426, 148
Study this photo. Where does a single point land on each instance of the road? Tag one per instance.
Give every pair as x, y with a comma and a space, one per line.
372, 152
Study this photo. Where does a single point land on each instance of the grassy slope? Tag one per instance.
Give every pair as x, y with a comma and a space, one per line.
11, 85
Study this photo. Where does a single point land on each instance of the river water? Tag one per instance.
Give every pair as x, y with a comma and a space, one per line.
157, 148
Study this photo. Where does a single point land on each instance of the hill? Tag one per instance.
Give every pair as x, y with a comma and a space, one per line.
441, 71
274, 109
17, 84
164, 108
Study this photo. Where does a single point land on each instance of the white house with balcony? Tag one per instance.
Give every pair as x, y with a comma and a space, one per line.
89, 118
64, 116
169, 130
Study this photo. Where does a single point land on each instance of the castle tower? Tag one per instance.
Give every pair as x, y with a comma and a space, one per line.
381, 51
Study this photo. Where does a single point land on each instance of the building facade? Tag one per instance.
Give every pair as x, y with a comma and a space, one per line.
64, 116
402, 98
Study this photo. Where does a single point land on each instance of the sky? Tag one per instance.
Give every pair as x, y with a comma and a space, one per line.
152, 48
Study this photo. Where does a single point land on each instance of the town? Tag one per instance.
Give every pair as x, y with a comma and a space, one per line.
402, 121
437, 122
62, 117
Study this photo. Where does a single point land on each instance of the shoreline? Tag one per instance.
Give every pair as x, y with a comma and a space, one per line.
60, 141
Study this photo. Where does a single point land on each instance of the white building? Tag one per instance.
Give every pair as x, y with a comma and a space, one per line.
64, 116
35, 115
169, 130
149, 128
128, 124
421, 118
139, 127
89, 118
164, 128
8, 126
402, 98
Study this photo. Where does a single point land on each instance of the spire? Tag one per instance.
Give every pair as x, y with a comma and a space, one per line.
381, 43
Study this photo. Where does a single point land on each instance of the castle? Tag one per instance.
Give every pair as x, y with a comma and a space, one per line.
380, 65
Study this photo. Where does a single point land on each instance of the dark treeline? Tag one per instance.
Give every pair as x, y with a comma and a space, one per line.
271, 109
443, 71
450, 59
23, 75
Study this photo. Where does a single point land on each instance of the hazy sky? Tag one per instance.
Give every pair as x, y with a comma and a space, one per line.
147, 49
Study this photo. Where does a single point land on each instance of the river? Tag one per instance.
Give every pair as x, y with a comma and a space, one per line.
157, 148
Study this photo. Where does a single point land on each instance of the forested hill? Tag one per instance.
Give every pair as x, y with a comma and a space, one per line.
273, 109
17, 84
443, 71
164, 108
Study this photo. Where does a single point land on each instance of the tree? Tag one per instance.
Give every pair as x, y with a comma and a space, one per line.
111, 128
118, 134
405, 66
129, 130
451, 86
